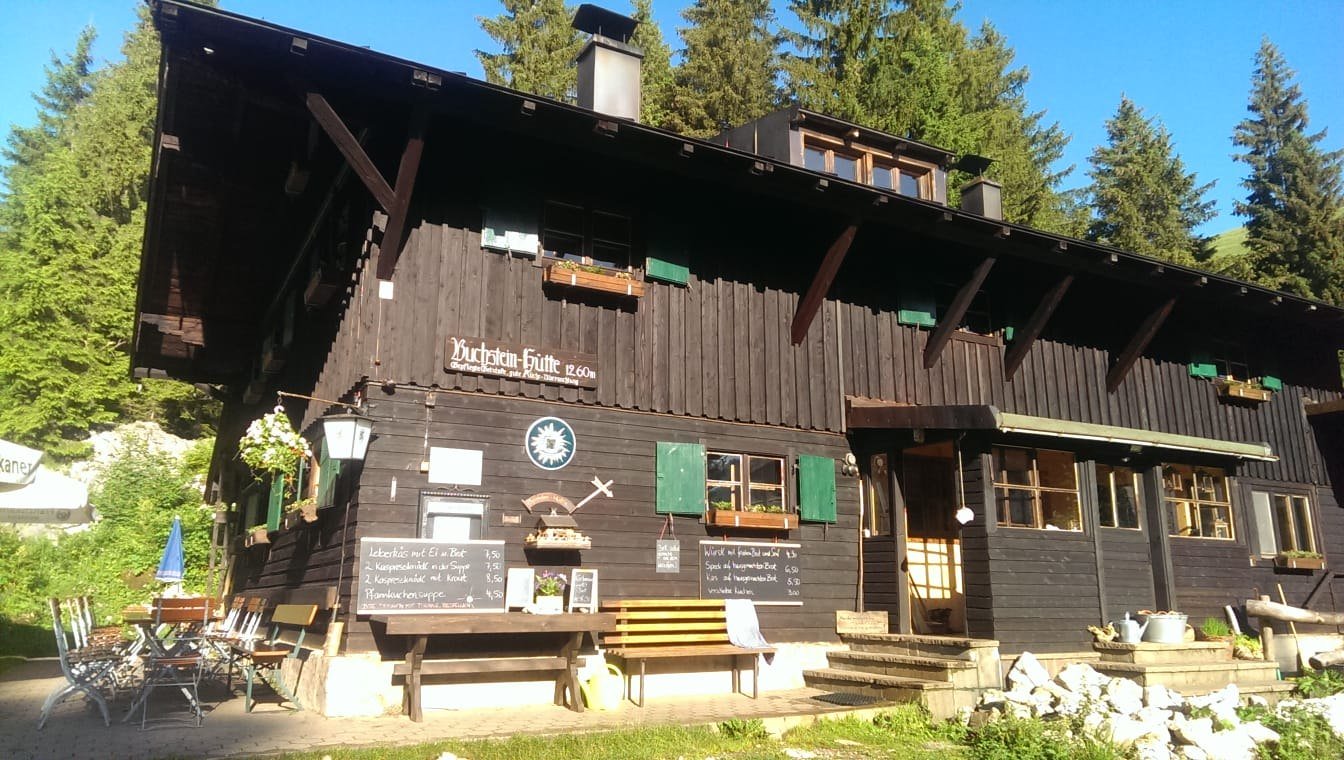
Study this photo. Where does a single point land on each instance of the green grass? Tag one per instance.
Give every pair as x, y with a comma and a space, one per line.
1227, 247
663, 743
906, 732
22, 640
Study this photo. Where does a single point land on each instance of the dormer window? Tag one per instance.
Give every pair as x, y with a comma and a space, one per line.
871, 166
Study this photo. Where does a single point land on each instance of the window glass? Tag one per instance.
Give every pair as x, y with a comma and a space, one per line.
882, 177
1283, 522
731, 476
910, 184
814, 159
846, 167
1198, 500
1264, 523
1036, 489
1117, 496
1302, 534
586, 235
878, 483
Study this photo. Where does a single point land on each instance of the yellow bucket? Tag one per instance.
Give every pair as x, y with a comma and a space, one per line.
603, 690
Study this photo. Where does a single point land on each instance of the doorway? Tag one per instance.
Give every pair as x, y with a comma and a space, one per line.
926, 482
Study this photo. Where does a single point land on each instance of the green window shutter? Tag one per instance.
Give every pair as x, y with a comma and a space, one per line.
328, 471
276, 503
1271, 383
1008, 332
1203, 369
816, 488
917, 309
680, 479
658, 269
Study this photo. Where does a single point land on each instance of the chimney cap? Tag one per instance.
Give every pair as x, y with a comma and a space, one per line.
596, 20
973, 164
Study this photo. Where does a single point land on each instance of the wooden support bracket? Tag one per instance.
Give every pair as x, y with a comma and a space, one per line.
951, 320
1024, 340
821, 283
1138, 343
394, 202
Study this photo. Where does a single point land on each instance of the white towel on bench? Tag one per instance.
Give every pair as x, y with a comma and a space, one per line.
744, 629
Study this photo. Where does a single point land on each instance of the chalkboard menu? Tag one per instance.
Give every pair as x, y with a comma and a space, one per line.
762, 572
583, 590
425, 575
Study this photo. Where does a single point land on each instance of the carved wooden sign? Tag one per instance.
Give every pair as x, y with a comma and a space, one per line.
515, 361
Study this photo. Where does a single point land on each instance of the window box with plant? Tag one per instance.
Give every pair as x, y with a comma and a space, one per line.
257, 535
747, 491
1242, 390
589, 248
1300, 559
304, 509
574, 274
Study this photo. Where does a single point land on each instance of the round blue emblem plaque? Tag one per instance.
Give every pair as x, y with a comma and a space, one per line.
549, 443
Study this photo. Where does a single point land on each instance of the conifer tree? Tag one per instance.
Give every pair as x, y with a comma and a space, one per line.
68, 270
655, 72
1295, 234
538, 44
729, 67
1143, 198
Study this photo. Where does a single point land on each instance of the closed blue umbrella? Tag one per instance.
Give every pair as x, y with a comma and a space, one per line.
170, 567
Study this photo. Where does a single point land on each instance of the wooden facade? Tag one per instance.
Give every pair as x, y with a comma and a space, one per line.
707, 361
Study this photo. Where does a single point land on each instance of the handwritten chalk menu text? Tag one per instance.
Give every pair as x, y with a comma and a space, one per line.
424, 575
519, 362
764, 573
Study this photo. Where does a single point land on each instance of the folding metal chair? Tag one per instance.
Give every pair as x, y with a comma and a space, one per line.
82, 672
175, 660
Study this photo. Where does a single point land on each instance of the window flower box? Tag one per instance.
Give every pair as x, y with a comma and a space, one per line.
588, 277
736, 518
1242, 390
1295, 562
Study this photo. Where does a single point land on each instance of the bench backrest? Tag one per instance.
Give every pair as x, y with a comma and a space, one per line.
187, 610
294, 614
665, 622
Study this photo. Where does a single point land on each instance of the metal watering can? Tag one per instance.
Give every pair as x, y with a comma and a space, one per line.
1129, 631
604, 689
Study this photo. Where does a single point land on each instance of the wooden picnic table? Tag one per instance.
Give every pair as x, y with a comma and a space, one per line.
419, 628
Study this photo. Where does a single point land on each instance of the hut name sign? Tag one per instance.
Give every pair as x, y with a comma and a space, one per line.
515, 361
764, 573
425, 575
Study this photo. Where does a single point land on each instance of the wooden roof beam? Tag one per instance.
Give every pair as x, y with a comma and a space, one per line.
821, 283
1023, 342
951, 320
389, 250
1142, 337
350, 148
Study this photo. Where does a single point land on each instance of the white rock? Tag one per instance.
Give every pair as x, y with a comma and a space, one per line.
1081, 678
1257, 700
1093, 721
1020, 696
1153, 749
1123, 729
447, 756
1259, 732
1027, 673
799, 754
1223, 703
1191, 752
1161, 697
1124, 695
991, 697
1223, 745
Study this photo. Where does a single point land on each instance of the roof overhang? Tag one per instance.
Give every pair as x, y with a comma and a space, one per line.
989, 418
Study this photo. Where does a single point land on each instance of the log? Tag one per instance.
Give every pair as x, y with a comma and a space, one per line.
1276, 611
1323, 660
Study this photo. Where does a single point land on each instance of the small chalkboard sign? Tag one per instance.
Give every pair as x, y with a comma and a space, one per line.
667, 556
521, 587
765, 573
407, 575
583, 590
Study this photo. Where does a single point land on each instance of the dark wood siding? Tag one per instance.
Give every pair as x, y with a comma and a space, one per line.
623, 529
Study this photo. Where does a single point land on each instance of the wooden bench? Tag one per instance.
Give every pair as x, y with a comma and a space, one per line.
659, 629
267, 654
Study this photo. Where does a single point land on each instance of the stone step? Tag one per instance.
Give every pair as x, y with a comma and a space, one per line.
1194, 678
1145, 653
913, 644
938, 697
961, 673
1273, 692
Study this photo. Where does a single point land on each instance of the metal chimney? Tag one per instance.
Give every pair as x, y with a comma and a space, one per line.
981, 195
608, 63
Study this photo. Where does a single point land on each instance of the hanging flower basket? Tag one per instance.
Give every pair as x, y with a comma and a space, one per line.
271, 445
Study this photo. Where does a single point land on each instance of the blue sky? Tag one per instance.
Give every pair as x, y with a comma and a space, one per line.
1187, 63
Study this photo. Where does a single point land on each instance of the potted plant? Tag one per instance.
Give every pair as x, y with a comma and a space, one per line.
304, 509
271, 445
1215, 629
550, 589
1299, 559
258, 535
593, 277
768, 516
1244, 390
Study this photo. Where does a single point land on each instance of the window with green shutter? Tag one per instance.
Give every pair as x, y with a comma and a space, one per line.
328, 470
680, 485
816, 488
275, 505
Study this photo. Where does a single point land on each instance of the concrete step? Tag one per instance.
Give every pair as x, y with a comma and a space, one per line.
1145, 653
960, 673
1195, 678
1273, 692
940, 698
925, 646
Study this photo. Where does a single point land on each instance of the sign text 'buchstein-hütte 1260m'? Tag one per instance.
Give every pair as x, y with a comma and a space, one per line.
519, 362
